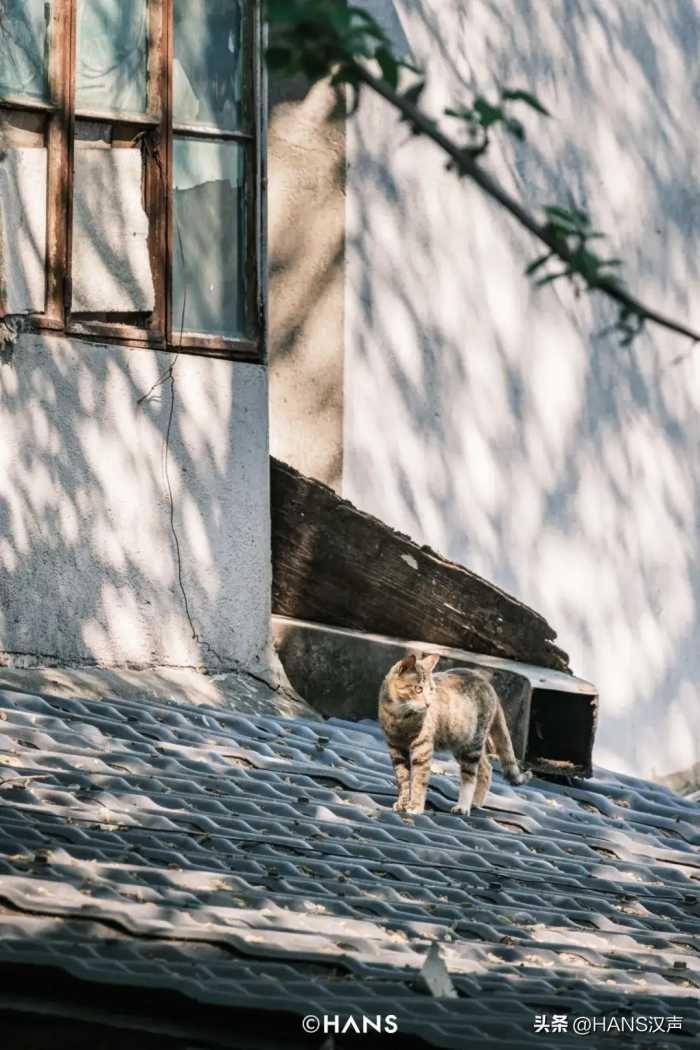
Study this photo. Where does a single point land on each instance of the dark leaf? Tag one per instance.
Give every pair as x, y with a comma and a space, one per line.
515, 128
510, 95
278, 57
548, 278
562, 219
487, 114
557, 211
340, 17
581, 216
389, 67
359, 14
372, 32
536, 263
345, 75
414, 93
279, 11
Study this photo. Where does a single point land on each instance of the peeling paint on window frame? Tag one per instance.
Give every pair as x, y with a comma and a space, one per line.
154, 132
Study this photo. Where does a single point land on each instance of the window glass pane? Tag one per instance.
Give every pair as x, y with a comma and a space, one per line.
207, 65
209, 238
24, 26
112, 68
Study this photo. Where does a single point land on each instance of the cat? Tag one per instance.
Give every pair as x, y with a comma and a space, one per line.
453, 710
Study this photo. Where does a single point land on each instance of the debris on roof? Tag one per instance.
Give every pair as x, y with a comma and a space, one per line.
251, 863
337, 565
684, 782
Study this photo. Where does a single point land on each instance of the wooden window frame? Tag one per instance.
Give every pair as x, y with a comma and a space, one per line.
156, 133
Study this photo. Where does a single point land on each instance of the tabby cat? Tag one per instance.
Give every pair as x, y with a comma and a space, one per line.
453, 710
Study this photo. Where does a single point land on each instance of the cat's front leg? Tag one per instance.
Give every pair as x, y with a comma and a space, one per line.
421, 757
399, 759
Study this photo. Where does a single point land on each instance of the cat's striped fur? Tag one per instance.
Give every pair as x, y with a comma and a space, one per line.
454, 711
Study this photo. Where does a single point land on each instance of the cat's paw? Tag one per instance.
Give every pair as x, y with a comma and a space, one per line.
415, 811
400, 807
524, 776
462, 812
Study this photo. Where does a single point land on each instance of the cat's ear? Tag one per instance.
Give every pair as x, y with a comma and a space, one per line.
429, 662
407, 664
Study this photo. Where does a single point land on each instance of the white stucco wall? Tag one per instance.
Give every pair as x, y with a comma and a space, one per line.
486, 418
89, 570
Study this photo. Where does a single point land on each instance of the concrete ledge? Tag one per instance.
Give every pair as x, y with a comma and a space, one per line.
552, 715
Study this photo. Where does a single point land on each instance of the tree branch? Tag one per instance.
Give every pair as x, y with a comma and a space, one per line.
468, 166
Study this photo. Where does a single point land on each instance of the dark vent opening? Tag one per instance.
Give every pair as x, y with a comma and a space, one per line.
561, 731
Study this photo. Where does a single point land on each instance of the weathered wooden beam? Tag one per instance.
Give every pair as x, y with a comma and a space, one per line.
334, 564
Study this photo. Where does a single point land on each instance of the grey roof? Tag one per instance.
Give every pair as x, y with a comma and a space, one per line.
255, 862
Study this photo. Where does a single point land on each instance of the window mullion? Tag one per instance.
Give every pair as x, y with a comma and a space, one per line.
61, 59
64, 54
167, 138
156, 160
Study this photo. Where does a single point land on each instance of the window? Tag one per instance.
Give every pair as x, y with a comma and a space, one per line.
130, 167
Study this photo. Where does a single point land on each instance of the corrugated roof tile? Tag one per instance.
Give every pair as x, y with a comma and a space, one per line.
243, 861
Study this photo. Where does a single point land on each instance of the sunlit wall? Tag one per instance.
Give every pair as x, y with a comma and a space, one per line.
134, 508
492, 420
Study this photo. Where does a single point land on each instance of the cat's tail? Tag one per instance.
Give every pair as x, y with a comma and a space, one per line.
500, 736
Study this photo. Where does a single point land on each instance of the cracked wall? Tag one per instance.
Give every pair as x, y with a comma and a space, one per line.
95, 560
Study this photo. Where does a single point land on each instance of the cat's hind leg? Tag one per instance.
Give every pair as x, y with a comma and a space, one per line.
483, 780
469, 760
